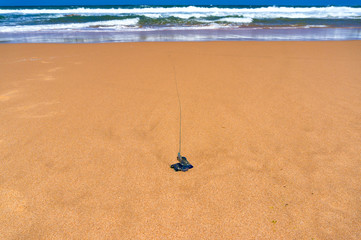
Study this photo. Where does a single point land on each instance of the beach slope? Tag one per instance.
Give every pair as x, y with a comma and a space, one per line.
88, 133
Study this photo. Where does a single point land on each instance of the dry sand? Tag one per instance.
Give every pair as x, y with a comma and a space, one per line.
88, 132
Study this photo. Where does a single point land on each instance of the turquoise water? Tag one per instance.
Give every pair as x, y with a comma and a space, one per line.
177, 23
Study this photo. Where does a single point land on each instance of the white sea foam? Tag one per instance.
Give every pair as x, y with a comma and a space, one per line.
191, 11
112, 24
236, 20
109, 26
315, 26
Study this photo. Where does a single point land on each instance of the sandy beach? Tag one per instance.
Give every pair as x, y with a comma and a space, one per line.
88, 133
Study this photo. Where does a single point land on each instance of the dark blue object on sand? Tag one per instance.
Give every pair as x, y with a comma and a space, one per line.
183, 164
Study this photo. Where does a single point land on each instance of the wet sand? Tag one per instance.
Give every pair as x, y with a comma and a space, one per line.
88, 132
251, 33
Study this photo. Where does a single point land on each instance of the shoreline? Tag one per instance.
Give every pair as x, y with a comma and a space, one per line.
89, 132
183, 42
203, 35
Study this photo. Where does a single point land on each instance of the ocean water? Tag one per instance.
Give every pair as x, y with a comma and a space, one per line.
72, 24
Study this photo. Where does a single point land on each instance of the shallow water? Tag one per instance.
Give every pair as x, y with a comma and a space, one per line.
247, 34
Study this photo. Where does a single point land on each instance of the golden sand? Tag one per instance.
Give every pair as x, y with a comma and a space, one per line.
88, 132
